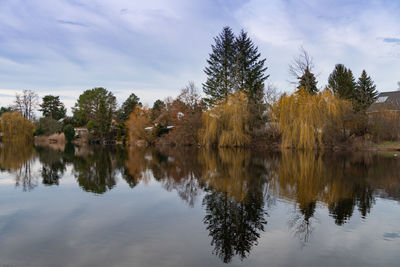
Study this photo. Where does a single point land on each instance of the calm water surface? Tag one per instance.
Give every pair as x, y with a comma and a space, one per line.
193, 207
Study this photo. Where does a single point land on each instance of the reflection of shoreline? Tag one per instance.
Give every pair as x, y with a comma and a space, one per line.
236, 187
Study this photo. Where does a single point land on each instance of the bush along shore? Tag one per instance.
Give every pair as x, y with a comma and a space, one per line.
239, 107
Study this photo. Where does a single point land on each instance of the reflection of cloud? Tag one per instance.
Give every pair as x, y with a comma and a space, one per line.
391, 236
392, 40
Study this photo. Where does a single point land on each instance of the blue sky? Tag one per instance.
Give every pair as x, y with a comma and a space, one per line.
154, 47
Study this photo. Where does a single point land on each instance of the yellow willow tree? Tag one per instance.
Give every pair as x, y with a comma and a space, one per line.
227, 123
16, 128
304, 119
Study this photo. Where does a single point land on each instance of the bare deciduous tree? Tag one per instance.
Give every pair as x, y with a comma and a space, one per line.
190, 95
271, 94
26, 103
300, 64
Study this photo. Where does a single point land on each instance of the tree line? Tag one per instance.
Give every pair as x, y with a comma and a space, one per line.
239, 108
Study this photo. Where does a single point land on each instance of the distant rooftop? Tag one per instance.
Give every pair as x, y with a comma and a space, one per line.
386, 101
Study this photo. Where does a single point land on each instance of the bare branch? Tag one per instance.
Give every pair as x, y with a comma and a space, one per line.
300, 64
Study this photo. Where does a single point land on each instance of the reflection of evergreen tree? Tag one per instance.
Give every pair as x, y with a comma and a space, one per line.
234, 226
53, 166
365, 200
235, 180
132, 182
342, 210
95, 173
52, 173
69, 153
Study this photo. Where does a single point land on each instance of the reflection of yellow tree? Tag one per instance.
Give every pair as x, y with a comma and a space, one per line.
301, 177
14, 154
17, 157
335, 180
137, 165
227, 171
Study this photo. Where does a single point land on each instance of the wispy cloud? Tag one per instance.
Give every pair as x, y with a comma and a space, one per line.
154, 47
73, 23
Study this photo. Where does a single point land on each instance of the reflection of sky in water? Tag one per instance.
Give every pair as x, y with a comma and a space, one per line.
152, 225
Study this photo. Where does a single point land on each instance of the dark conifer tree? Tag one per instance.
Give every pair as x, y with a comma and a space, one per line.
249, 69
127, 107
342, 83
220, 67
308, 82
365, 92
249, 77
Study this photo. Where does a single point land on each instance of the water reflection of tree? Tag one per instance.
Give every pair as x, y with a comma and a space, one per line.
338, 181
96, 172
53, 166
175, 168
17, 157
234, 202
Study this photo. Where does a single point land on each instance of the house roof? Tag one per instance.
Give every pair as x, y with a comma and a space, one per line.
386, 101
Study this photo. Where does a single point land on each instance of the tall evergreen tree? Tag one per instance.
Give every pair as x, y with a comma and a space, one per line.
365, 92
308, 82
52, 107
249, 76
342, 83
249, 69
220, 67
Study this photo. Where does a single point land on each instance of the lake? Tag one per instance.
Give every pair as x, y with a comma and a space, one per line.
107, 206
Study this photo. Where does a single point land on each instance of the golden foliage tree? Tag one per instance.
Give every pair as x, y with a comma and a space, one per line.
304, 119
227, 123
138, 120
16, 128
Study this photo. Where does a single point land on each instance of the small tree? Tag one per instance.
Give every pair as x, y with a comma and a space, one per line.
69, 133
341, 82
365, 92
308, 82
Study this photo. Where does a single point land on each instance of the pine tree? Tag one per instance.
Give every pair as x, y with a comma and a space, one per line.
128, 107
365, 92
308, 82
249, 70
219, 72
341, 82
52, 107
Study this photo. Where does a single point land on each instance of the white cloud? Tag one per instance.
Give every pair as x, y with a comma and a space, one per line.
154, 47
